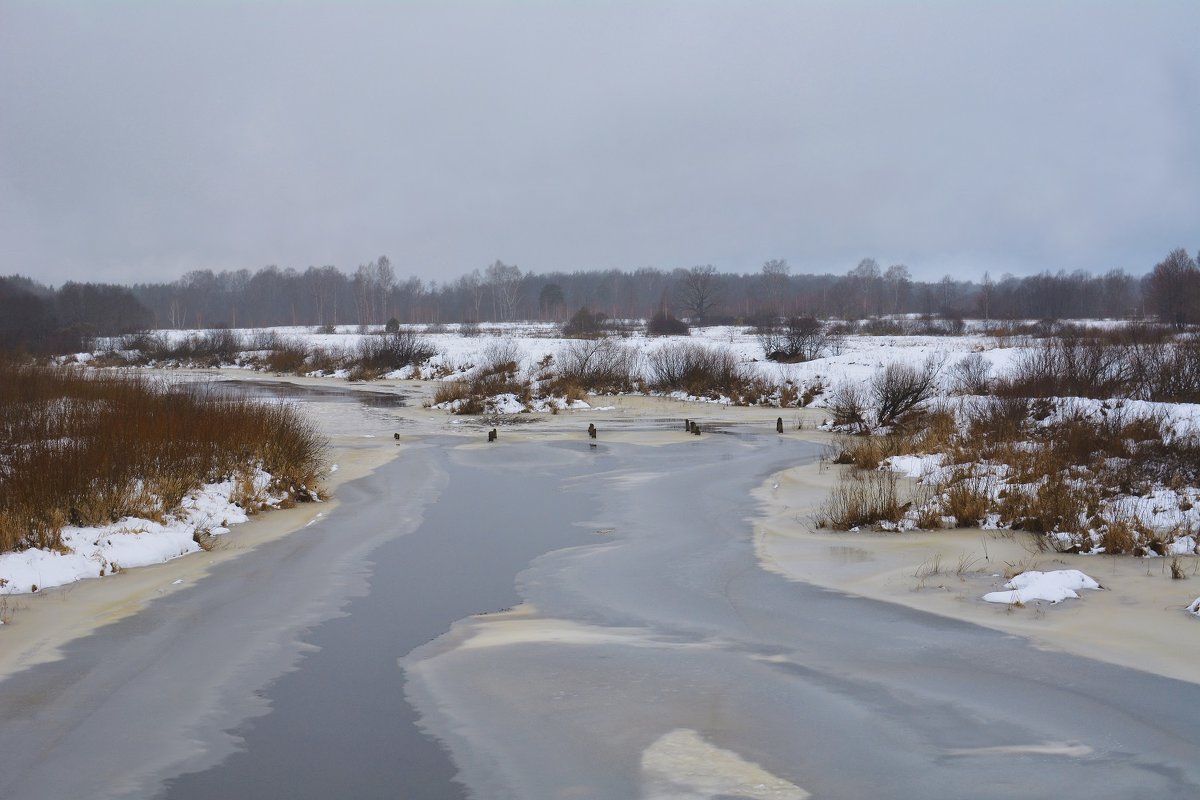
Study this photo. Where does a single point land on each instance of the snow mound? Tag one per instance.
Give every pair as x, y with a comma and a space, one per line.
1194, 608
1052, 586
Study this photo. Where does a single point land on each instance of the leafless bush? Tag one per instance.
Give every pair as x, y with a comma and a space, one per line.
1070, 367
971, 375
847, 402
792, 339
899, 388
663, 323
696, 369
584, 324
598, 365
379, 354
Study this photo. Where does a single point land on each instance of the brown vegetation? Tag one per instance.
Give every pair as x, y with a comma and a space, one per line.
84, 447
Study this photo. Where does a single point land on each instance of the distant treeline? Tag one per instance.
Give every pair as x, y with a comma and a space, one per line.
373, 295
37, 319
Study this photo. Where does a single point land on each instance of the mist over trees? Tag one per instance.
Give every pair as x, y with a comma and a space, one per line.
37, 319
374, 294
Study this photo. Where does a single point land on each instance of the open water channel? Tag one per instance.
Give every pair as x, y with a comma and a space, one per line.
548, 619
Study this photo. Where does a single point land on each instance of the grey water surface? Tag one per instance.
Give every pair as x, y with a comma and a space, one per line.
337, 661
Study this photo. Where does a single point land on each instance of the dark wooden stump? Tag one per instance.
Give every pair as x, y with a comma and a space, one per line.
492, 435
779, 424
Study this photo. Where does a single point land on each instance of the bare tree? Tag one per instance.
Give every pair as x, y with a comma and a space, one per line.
364, 295
985, 296
698, 289
1175, 289
775, 274
865, 277
384, 278
898, 282
471, 285
505, 282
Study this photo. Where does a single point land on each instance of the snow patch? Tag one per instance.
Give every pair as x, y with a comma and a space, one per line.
1053, 587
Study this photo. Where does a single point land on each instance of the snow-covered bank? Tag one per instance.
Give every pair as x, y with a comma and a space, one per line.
98, 551
1139, 620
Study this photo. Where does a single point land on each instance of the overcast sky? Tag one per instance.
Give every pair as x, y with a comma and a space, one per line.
139, 140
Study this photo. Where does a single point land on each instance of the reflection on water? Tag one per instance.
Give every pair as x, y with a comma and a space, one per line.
283, 390
845, 554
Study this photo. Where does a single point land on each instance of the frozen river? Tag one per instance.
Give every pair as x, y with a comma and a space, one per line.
547, 619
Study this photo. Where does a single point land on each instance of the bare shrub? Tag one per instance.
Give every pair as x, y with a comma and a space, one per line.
1177, 572
379, 354
863, 452
584, 323
663, 323
1055, 506
287, 356
696, 369
1070, 367
847, 402
971, 375
597, 365
899, 388
790, 340
498, 373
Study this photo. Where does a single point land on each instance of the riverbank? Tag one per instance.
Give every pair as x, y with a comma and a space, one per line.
39, 625
1137, 620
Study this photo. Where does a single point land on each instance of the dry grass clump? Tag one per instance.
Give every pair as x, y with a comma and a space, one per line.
86, 448
863, 498
930, 432
968, 500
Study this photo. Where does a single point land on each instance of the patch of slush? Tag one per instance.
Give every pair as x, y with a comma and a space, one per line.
682, 766
504, 633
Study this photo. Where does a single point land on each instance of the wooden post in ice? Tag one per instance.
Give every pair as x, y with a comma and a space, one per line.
492, 435
687, 425
779, 424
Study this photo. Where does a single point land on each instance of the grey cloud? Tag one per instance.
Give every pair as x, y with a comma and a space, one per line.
143, 139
